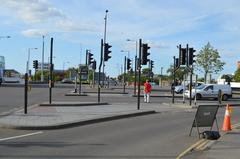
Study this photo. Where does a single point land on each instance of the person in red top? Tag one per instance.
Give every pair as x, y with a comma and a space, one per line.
147, 91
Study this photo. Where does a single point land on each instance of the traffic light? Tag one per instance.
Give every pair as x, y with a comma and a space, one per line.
182, 56
151, 64
94, 65
191, 56
35, 64
145, 54
107, 51
90, 58
128, 64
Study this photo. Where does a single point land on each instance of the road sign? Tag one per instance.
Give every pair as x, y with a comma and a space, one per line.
205, 117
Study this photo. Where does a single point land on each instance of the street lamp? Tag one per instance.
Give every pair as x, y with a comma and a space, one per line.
29, 49
125, 51
64, 66
135, 69
42, 59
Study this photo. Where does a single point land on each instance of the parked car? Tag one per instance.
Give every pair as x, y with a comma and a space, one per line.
210, 91
180, 89
67, 80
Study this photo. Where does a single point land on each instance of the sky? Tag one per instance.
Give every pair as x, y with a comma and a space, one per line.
77, 25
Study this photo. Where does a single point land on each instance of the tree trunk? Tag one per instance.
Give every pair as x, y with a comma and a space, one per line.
205, 77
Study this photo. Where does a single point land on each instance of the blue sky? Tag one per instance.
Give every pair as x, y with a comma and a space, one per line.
77, 25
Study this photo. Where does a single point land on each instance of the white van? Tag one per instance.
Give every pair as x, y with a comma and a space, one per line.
210, 91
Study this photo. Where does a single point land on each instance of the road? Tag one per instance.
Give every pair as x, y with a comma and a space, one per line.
13, 97
152, 136
161, 135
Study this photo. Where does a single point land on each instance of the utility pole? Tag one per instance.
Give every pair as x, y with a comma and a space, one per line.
139, 73
42, 66
104, 39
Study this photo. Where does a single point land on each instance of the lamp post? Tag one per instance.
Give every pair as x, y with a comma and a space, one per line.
161, 75
126, 51
64, 67
104, 40
29, 51
135, 69
42, 60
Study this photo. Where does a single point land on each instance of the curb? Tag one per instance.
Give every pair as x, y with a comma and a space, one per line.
167, 96
108, 92
73, 104
80, 123
75, 94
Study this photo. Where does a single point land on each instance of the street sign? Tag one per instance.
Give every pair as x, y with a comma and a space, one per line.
205, 117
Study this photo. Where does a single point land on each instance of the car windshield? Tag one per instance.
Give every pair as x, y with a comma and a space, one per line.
200, 87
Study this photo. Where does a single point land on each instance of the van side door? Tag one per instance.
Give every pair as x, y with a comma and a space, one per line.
208, 92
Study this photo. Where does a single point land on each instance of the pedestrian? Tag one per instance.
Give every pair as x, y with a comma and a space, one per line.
147, 91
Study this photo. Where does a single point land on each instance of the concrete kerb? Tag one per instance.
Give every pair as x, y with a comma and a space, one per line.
75, 94
55, 104
81, 122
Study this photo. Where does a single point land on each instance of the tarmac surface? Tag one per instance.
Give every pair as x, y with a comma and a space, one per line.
62, 115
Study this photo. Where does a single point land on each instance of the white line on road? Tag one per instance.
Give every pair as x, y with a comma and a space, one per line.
20, 136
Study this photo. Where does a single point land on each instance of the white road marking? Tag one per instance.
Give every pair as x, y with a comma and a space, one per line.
20, 136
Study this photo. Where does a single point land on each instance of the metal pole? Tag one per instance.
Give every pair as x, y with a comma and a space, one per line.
173, 85
184, 78
195, 99
28, 61
99, 70
104, 40
139, 73
124, 75
135, 75
51, 70
80, 82
26, 93
161, 75
190, 85
42, 78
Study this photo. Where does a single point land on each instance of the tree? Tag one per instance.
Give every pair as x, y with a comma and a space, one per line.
236, 76
208, 61
178, 74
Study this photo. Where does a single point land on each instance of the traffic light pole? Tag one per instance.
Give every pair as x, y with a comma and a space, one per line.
124, 75
99, 70
51, 70
173, 85
139, 73
135, 75
26, 93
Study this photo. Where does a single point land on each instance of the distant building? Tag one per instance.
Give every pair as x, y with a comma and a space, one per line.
45, 66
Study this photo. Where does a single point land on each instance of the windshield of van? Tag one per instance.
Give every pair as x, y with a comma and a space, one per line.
200, 87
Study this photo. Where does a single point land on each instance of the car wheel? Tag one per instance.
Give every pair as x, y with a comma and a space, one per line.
225, 97
198, 96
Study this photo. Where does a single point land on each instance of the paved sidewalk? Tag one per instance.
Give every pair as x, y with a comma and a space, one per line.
72, 114
227, 147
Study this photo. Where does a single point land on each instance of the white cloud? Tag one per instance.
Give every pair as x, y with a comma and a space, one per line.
32, 11
34, 32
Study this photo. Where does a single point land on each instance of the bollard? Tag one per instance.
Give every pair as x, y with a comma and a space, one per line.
220, 96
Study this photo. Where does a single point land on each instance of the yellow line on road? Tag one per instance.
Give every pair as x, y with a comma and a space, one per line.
190, 148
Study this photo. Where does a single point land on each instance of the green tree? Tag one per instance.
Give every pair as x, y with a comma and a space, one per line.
236, 76
208, 61
178, 74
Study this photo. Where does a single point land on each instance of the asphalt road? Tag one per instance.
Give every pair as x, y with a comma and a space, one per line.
161, 135
13, 97
152, 136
